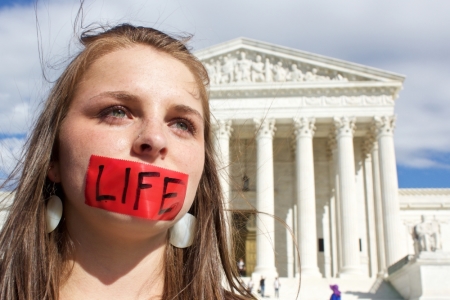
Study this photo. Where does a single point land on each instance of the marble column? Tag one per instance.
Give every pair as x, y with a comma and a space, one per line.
265, 223
389, 188
334, 191
223, 133
290, 244
296, 255
378, 210
326, 241
370, 207
347, 194
306, 196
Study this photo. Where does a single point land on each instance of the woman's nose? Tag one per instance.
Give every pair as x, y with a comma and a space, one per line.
151, 141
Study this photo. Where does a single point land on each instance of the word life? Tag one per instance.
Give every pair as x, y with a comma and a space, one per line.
135, 189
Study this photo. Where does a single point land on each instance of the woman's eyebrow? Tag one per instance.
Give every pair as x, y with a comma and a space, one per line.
119, 95
181, 108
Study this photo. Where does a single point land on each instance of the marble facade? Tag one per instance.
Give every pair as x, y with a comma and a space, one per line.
310, 140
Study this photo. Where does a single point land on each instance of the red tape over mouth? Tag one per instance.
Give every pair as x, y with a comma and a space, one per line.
135, 189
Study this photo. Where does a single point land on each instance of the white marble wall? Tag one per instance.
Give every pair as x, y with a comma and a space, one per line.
361, 200
284, 169
243, 161
321, 170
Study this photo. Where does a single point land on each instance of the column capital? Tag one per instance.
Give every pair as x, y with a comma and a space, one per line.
304, 127
331, 143
265, 128
223, 128
372, 134
368, 144
344, 126
384, 125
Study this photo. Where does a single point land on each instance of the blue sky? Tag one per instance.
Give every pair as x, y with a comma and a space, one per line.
406, 37
14, 2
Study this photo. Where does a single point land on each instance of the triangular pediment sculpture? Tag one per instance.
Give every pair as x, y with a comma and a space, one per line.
248, 62
243, 66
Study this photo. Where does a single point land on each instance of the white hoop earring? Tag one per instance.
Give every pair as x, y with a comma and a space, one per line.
182, 232
53, 213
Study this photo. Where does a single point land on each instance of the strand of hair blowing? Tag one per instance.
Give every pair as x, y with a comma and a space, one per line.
196, 272
30, 265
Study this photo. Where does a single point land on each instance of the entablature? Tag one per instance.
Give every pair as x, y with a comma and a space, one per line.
245, 128
427, 199
316, 89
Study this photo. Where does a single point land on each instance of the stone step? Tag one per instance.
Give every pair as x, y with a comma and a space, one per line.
318, 289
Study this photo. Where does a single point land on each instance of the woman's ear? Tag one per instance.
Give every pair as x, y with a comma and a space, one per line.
53, 172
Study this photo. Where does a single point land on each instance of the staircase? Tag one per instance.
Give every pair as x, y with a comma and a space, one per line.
318, 289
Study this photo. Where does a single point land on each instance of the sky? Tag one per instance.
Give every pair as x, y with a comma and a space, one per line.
407, 37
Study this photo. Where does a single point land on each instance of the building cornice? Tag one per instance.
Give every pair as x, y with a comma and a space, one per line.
425, 192
294, 89
430, 199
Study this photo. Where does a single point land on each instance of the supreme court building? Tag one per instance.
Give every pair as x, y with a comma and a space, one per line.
310, 140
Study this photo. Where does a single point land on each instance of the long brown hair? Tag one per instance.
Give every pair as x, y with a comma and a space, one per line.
32, 261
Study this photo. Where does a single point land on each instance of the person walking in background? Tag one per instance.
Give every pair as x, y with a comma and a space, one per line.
276, 285
262, 285
336, 293
250, 286
241, 267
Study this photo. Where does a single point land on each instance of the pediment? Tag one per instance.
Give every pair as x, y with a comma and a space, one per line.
253, 64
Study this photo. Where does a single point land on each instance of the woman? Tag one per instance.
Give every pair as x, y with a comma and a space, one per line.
336, 293
133, 97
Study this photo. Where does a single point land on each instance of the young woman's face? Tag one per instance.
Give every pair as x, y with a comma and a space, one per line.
135, 104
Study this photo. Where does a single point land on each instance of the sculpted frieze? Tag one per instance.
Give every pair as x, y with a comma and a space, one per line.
370, 100
250, 67
313, 101
333, 101
353, 101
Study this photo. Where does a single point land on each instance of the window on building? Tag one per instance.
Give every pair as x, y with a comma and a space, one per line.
245, 183
321, 245
360, 245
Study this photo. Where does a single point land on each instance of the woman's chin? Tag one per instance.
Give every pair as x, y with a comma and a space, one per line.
122, 226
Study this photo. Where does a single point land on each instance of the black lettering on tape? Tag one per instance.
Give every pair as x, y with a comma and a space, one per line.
142, 186
168, 180
99, 197
125, 187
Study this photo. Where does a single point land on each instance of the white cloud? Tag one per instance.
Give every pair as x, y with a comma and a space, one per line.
16, 119
10, 151
407, 37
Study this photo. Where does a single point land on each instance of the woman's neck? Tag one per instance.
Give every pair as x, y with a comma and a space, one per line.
107, 267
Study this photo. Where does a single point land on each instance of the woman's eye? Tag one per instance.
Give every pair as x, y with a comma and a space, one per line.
118, 113
114, 114
182, 125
